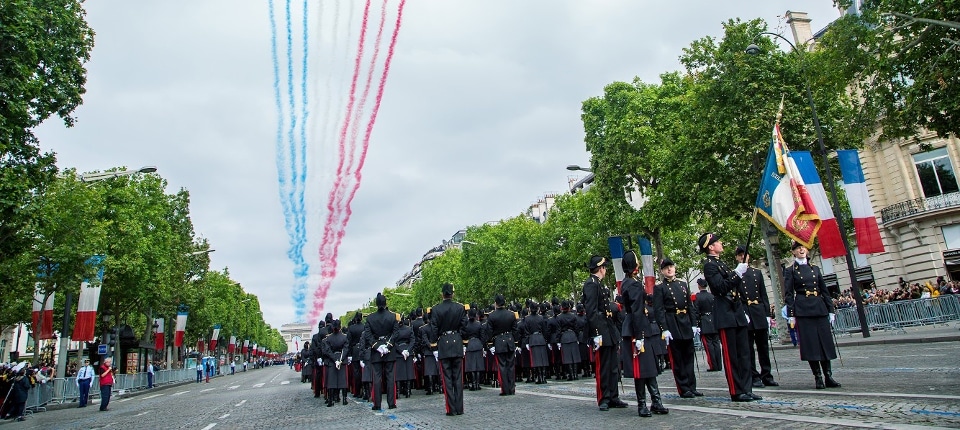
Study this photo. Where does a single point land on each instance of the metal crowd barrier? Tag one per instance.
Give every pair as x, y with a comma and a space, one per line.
899, 314
65, 390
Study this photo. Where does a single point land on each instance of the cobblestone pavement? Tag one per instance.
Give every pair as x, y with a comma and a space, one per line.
884, 386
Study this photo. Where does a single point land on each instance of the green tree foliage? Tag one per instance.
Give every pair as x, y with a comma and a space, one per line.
902, 57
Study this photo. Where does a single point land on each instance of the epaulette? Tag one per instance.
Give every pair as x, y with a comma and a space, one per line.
516, 314
397, 315
466, 306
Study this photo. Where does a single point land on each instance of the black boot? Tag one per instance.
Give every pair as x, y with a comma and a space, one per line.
638, 386
344, 394
656, 406
476, 384
817, 376
828, 375
329, 398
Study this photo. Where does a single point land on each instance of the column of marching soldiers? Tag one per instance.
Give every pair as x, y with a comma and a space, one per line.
609, 335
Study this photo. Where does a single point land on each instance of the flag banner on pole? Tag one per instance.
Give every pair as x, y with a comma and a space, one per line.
831, 244
158, 339
296, 343
246, 345
37, 308
181, 327
88, 303
200, 344
214, 337
784, 197
646, 261
864, 219
46, 319
616, 256
232, 346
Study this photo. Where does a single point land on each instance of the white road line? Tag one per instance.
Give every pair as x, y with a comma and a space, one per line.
258, 385
223, 416
274, 377
233, 387
822, 393
179, 393
209, 426
240, 404
142, 413
152, 396
284, 382
123, 400
754, 414
207, 389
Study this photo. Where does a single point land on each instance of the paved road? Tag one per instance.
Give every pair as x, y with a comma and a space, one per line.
884, 386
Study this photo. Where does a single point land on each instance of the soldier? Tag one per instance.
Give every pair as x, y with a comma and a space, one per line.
448, 320
709, 335
503, 328
729, 317
354, 338
418, 365
307, 369
758, 309
586, 364
566, 340
674, 315
316, 357
404, 354
534, 328
379, 333
811, 311
335, 348
428, 349
474, 352
640, 361
603, 333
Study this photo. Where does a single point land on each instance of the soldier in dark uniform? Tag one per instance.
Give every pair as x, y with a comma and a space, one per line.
354, 337
428, 349
758, 309
418, 365
404, 354
810, 309
448, 320
640, 363
709, 335
603, 334
473, 356
729, 316
586, 364
305, 372
675, 315
335, 348
503, 328
379, 333
316, 358
534, 328
566, 340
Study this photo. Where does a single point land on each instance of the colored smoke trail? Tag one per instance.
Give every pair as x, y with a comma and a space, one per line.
322, 290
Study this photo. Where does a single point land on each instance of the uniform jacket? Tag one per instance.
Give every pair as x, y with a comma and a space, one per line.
448, 319
673, 310
534, 330
704, 304
404, 341
503, 330
354, 337
805, 293
333, 347
727, 289
755, 298
596, 305
381, 329
428, 342
633, 295
567, 329
474, 336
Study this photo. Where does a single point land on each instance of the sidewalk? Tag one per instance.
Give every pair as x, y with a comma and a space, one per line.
943, 332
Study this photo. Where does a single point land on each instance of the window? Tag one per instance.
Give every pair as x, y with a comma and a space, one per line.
951, 236
935, 172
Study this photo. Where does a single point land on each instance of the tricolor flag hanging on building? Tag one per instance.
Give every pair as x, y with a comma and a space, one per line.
85, 326
42, 314
864, 219
616, 255
784, 197
831, 243
232, 346
214, 337
158, 339
180, 329
646, 261
246, 345
200, 344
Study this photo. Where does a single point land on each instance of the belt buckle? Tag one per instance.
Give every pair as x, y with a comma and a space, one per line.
681, 311
753, 302
810, 293
609, 314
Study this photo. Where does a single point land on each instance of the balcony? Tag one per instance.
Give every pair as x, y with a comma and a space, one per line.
911, 208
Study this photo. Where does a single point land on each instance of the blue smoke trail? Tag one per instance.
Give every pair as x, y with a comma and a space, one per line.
302, 268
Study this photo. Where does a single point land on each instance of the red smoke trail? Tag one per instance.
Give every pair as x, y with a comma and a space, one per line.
321, 292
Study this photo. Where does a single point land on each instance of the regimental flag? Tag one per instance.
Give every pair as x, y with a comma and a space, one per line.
85, 326
646, 261
784, 198
158, 339
42, 314
214, 337
246, 345
831, 243
864, 219
616, 254
232, 346
180, 329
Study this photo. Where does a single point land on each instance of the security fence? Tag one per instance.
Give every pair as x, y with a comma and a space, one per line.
899, 314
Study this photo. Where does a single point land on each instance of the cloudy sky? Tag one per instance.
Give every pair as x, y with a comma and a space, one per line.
480, 115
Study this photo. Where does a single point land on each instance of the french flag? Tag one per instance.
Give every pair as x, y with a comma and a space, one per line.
158, 339
246, 345
42, 315
831, 244
180, 329
232, 346
216, 335
646, 261
616, 255
88, 303
864, 219
200, 343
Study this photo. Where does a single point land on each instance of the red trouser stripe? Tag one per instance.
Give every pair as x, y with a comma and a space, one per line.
727, 369
597, 374
636, 362
706, 351
443, 383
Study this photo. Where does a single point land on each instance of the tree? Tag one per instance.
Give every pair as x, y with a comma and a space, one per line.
903, 58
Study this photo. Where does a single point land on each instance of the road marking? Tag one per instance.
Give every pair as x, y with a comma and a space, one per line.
258, 385
182, 392
123, 400
142, 413
207, 389
233, 387
209, 426
223, 416
754, 414
284, 382
274, 377
152, 396
851, 394
241, 403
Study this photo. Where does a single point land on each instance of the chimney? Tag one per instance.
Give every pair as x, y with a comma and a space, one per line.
800, 25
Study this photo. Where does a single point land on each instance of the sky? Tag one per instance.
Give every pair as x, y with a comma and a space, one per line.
480, 115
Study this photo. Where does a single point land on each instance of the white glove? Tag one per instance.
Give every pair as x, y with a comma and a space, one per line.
518, 350
414, 359
405, 354
349, 360
696, 331
528, 347
741, 269
597, 342
666, 336
748, 317
639, 344
362, 364
382, 349
337, 363
833, 317
550, 347
484, 354
436, 355
558, 346
320, 362
792, 321
493, 350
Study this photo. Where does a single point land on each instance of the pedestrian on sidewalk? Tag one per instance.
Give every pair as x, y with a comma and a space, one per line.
84, 379
150, 372
811, 310
106, 383
199, 371
22, 383
233, 367
209, 370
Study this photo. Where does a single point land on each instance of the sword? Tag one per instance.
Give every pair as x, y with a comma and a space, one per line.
837, 345
774, 353
697, 364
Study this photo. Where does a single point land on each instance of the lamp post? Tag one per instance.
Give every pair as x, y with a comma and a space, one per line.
94, 177
753, 49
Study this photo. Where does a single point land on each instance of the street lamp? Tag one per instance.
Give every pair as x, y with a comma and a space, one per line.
206, 251
574, 167
94, 177
753, 49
